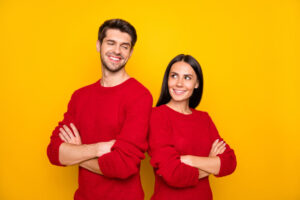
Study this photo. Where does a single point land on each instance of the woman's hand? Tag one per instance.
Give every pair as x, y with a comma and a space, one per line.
68, 137
218, 147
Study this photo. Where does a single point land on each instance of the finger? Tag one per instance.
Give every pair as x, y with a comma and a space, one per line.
215, 148
215, 143
64, 133
62, 137
218, 148
219, 145
75, 131
223, 145
69, 132
221, 148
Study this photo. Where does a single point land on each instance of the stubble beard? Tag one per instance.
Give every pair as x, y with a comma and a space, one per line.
113, 70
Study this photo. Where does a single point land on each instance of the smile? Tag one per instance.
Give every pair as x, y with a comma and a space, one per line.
114, 59
179, 92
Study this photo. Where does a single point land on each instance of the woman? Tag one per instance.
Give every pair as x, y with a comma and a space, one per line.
185, 146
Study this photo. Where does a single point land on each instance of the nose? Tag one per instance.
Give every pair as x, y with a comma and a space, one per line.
179, 82
117, 49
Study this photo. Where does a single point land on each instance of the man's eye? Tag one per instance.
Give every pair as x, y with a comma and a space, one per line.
125, 47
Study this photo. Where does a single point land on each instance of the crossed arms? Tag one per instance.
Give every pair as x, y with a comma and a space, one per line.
206, 165
119, 158
72, 151
185, 170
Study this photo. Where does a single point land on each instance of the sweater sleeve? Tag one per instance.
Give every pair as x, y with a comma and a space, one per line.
124, 159
165, 159
55, 141
228, 158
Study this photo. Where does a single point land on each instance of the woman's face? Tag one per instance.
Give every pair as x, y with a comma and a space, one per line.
182, 81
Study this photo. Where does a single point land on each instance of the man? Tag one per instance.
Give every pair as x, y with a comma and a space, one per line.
105, 128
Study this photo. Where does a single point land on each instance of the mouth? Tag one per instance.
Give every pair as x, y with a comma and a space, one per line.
115, 59
179, 92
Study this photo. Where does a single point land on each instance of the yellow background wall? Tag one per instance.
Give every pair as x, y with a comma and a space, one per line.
249, 51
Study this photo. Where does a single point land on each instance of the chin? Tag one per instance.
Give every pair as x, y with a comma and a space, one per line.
181, 99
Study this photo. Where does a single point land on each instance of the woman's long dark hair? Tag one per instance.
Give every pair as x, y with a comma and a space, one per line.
195, 99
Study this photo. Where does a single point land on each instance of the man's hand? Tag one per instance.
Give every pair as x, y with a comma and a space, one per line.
67, 135
73, 137
218, 147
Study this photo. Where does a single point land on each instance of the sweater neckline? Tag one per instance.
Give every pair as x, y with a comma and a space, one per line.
116, 87
179, 114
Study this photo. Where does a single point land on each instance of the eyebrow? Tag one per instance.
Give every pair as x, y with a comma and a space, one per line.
124, 43
183, 74
108, 40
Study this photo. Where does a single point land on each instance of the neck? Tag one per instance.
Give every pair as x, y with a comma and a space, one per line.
182, 107
111, 79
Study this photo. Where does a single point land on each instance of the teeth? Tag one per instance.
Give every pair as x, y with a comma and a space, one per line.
179, 91
113, 58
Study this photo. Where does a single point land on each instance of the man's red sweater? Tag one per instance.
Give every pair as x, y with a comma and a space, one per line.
173, 134
101, 114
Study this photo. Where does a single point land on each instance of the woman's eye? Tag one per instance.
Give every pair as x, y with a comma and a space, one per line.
188, 78
173, 75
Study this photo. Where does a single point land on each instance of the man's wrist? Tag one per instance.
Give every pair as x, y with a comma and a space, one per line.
99, 149
193, 160
93, 149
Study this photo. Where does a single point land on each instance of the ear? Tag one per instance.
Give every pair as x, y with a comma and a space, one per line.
98, 46
130, 52
197, 84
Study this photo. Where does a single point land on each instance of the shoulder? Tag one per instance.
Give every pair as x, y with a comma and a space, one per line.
159, 117
159, 109
85, 90
202, 114
138, 90
159, 112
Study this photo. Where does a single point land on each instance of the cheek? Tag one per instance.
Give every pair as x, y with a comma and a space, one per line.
103, 49
191, 85
125, 53
171, 83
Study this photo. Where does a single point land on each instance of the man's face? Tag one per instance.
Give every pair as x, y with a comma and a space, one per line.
115, 50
